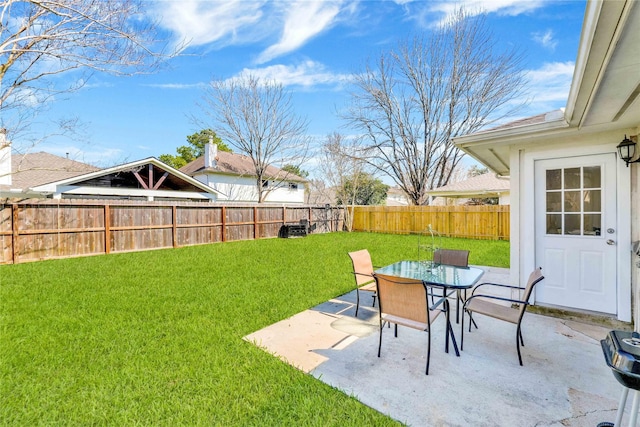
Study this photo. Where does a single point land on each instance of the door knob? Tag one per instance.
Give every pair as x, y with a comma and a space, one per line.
611, 242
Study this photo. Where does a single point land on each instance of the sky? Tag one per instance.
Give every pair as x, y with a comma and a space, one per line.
311, 47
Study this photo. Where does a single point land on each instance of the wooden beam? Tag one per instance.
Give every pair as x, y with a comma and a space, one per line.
160, 181
140, 180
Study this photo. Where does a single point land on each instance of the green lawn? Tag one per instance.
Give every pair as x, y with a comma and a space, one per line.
155, 338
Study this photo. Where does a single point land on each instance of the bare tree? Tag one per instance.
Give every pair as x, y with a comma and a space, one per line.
413, 100
340, 164
43, 39
256, 118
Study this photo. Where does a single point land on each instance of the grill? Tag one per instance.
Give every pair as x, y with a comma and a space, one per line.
300, 229
622, 353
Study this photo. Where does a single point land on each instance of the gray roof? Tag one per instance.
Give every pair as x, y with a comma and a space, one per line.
480, 184
235, 164
33, 169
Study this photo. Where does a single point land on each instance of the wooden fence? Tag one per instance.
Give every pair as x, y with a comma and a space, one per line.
38, 230
489, 222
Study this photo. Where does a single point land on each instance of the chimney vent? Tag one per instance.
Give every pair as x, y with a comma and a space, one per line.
5, 158
210, 154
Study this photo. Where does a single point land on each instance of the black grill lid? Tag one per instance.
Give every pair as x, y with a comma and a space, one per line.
622, 353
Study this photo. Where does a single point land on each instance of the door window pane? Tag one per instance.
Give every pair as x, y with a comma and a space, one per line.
554, 224
554, 202
572, 224
554, 179
572, 201
592, 225
572, 178
592, 201
591, 177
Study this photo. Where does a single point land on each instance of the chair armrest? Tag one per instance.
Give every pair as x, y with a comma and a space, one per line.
515, 301
501, 285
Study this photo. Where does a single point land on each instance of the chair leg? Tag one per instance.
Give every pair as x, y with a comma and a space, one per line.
521, 340
462, 331
428, 351
395, 332
518, 336
380, 337
374, 300
357, 300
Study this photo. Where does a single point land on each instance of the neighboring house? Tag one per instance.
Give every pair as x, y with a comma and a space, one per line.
29, 170
235, 176
318, 194
484, 186
576, 205
397, 197
50, 176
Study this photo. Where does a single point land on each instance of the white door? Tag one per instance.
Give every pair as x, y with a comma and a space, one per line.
575, 211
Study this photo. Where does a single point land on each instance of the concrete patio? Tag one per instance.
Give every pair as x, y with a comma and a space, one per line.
564, 381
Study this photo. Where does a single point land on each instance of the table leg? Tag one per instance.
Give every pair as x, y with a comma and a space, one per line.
449, 332
453, 341
446, 334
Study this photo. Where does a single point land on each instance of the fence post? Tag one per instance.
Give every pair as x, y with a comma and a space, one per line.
223, 232
107, 228
174, 224
255, 223
14, 233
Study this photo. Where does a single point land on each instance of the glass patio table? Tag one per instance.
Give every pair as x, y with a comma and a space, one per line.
447, 277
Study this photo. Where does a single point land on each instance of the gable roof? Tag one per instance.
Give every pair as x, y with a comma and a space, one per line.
235, 164
486, 185
146, 177
33, 169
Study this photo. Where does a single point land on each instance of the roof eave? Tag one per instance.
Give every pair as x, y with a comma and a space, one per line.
511, 135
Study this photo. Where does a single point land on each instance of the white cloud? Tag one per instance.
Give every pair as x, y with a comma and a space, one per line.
306, 74
501, 7
545, 39
200, 22
303, 20
550, 85
177, 86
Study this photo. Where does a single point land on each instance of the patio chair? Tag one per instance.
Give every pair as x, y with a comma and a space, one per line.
406, 302
483, 304
363, 273
457, 258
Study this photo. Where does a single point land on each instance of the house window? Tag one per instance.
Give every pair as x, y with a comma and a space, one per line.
293, 186
574, 201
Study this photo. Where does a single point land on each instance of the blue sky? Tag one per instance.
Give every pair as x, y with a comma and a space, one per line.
309, 46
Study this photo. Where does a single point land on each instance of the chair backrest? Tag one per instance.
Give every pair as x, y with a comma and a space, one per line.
404, 298
362, 266
455, 257
535, 277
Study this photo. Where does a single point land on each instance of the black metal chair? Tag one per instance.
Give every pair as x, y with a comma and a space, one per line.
406, 302
488, 305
